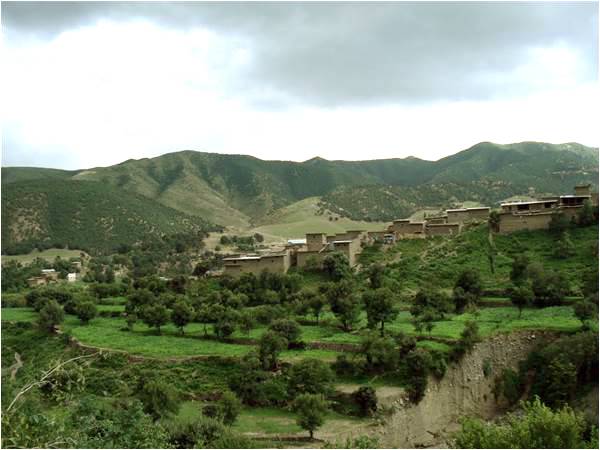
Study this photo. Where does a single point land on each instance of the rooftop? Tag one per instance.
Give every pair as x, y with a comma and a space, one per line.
345, 241
528, 203
296, 241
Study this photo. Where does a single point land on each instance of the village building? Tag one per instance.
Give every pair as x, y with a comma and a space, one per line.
442, 229
272, 262
71, 277
537, 214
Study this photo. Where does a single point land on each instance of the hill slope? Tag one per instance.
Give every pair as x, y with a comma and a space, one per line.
242, 190
83, 215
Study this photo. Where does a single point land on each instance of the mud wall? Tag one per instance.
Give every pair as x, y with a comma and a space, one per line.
464, 390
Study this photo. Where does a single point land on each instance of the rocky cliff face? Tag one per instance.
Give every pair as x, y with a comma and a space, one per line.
464, 390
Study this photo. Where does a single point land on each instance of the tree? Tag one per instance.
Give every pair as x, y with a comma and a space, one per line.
530, 429
182, 314
310, 376
467, 289
549, 287
155, 316
50, 316
159, 398
564, 248
226, 323
468, 338
311, 410
229, 406
585, 310
588, 214
336, 266
418, 363
270, 345
521, 296
347, 310
246, 322
559, 223
288, 329
314, 301
86, 311
518, 272
366, 398
380, 307
375, 274
379, 352
494, 221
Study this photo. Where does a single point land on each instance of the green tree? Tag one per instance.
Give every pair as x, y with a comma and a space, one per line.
50, 316
314, 301
288, 329
379, 352
559, 223
537, 427
310, 376
311, 410
347, 310
159, 398
587, 214
270, 345
585, 310
366, 398
155, 315
182, 313
230, 407
494, 221
86, 311
564, 247
246, 322
226, 323
467, 289
418, 363
521, 296
380, 307
549, 287
375, 273
336, 266
518, 271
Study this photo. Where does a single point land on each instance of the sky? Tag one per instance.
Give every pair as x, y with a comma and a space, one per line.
88, 84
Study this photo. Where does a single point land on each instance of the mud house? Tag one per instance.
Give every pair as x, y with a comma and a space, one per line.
442, 229
465, 215
405, 229
272, 262
537, 214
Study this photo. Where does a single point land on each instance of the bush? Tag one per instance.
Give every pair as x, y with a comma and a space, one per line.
229, 407
509, 386
86, 311
286, 328
159, 398
50, 316
418, 364
366, 399
538, 427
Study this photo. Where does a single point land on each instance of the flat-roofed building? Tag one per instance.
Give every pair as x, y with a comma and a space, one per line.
271, 262
442, 229
315, 241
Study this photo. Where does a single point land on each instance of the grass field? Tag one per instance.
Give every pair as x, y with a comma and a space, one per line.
302, 217
110, 332
48, 255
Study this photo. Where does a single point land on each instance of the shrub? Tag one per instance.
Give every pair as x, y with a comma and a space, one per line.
50, 316
86, 311
229, 407
286, 328
159, 398
366, 399
271, 344
418, 364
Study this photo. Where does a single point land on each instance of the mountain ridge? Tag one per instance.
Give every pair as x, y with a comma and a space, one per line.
243, 191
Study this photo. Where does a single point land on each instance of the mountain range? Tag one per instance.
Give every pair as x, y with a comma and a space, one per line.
188, 190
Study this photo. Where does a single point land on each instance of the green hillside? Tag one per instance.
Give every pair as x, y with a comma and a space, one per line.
240, 191
83, 215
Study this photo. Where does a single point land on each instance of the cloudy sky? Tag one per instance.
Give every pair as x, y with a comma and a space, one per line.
87, 84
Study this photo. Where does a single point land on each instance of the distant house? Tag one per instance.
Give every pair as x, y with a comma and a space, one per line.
537, 214
272, 262
71, 277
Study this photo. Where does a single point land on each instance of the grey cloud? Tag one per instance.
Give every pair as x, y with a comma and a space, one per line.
336, 54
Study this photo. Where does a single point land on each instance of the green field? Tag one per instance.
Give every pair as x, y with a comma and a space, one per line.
297, 219
48, 255
110, 332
